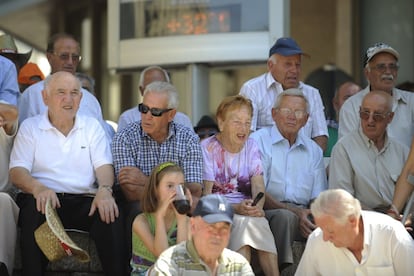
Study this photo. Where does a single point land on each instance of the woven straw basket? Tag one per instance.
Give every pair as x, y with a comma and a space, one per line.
53, 240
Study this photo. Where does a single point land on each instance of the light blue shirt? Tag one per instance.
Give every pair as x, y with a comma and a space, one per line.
294, 173
9, 89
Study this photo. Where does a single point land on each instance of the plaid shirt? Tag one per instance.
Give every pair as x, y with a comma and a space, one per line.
134, 148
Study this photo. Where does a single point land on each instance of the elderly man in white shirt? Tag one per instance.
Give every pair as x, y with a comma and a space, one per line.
381, 71
294, 172
284, 66
349, 241
65, 158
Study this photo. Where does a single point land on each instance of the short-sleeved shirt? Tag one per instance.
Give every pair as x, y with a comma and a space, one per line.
370, 175
183, 259
9, 88
263, 91
133, 115
401, 127
388, 250
132, 147
65, 164
294, 173
231, 172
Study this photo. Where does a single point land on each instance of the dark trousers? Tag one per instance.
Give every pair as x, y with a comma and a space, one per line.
109, 238
131, 209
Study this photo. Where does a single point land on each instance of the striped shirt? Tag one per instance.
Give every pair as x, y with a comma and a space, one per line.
182, 259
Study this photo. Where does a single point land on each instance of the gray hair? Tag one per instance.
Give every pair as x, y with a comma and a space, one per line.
336, 203
162, 87
51, 77
150, 68
83, 76
295, 92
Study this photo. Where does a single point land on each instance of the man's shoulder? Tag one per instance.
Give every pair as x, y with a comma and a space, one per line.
132, 131
261, 133
32, 124
350, 139
5, 63
132, 112
355, 100
307, 87
88, 120
184, 133
233, 256
34, 90
251, 85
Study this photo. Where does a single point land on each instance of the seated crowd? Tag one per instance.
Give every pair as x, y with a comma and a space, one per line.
250, 184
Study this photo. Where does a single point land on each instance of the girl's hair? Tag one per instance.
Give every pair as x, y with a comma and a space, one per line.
149, 202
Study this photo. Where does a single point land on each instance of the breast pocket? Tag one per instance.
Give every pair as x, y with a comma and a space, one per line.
380, 271
303, 187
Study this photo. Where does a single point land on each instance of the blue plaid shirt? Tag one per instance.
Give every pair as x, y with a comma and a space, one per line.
132, 147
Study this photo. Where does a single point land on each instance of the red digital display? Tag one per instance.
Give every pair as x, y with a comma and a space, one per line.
193, 23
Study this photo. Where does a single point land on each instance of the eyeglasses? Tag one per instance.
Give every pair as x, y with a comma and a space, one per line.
156, 112
66, 56
299, 114
381, 67
377, 117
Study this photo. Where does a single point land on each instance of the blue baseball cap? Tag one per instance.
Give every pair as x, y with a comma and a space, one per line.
286, 46
214, 208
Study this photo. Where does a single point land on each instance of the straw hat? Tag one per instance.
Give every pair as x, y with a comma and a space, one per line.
53, 240
8, 49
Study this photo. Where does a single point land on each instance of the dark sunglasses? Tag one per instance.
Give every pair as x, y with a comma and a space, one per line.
156, 112
377, 117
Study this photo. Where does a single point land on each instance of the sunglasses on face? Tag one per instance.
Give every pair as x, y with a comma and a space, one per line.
156, 112
377, 117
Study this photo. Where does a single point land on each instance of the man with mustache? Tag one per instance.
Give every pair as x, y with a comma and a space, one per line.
381, 71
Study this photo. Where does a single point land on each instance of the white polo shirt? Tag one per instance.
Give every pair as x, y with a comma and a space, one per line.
65, 164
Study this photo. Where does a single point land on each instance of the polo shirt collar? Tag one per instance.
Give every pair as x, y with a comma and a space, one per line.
45, 124
369, 143
270, 81
276, 137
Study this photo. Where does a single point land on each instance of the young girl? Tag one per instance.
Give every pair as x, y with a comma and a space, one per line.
159, 226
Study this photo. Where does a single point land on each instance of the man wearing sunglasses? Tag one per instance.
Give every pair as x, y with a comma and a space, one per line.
63, 54
148, 75
381, 72
367, 162
155, 139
